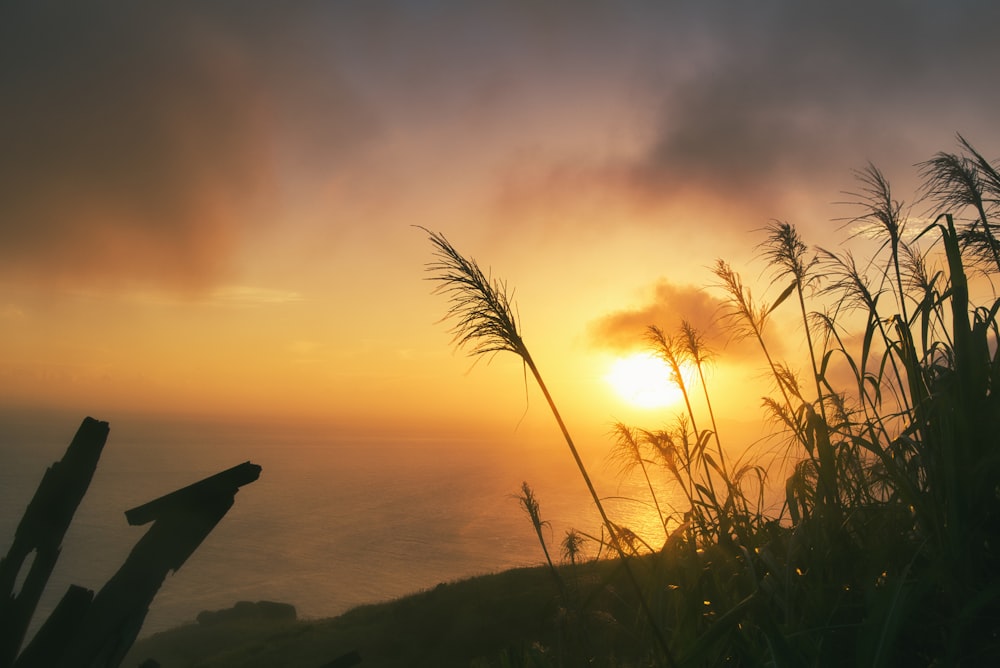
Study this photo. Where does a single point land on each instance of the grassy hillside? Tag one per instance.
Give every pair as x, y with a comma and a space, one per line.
484, 621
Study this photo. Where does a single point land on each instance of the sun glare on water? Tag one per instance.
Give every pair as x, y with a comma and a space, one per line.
643, 380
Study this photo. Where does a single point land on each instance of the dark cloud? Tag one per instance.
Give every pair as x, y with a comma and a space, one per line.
796, 91
780, 96
139, 141
761, 102
667, 307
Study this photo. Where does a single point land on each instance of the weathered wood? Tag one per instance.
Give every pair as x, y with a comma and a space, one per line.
181, 521
226, 482
41, 531
46, 647
97, 631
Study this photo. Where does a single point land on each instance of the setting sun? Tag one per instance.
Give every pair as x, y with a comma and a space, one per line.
643, 380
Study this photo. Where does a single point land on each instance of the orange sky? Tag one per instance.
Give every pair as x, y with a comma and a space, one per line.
210, 211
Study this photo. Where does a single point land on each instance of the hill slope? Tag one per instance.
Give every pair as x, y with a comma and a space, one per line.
472, 621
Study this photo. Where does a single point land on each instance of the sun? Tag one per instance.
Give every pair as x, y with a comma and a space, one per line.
643, 380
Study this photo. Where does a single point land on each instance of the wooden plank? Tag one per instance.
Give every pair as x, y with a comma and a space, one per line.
221, 484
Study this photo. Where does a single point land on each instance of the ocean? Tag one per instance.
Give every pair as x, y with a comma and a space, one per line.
333, 521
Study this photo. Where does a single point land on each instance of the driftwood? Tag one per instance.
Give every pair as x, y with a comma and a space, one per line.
97, 631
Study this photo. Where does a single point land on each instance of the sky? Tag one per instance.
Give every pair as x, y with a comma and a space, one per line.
211, 209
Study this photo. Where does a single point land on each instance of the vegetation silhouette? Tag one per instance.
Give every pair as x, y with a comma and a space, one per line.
886, 550
531, 507
483, 321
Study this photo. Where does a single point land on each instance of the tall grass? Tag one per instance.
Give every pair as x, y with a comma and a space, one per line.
887, 549
531, 506
483, 321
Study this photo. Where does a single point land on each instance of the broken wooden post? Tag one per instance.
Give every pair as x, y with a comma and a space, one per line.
46, 647
181, 521
84, 630
190, 498
41, 531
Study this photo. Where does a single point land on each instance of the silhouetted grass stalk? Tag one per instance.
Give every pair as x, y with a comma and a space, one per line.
883, 216
747, 320
572, 545
530, 505
698, 354
628, 454
672, 351
483, 322
675, 351
967, 180
786, 251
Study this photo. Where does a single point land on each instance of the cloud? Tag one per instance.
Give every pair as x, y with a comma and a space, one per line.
245, 295
668, 306
783, 92
758, 104
142, 142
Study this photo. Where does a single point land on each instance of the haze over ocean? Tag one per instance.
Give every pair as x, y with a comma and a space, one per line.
332, 523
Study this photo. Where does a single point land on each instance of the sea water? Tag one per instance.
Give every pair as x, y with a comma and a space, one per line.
333, 522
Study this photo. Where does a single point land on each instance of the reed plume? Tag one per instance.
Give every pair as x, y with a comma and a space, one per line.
483, 322
964, 180
530, 505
